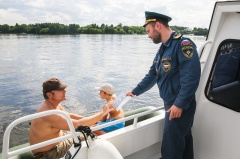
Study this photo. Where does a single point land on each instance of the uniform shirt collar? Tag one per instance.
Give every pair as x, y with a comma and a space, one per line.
168, 42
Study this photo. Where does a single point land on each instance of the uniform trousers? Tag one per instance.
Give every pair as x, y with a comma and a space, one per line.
177, 137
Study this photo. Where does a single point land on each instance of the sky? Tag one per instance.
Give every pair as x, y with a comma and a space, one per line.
188, 13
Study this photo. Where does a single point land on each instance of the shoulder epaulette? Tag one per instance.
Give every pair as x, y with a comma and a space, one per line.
177, 36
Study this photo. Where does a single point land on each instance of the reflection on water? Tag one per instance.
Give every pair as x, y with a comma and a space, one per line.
81, 61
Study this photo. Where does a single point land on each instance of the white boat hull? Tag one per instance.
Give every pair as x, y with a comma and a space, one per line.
135, 141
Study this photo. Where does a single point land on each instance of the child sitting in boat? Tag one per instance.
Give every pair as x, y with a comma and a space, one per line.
107, 92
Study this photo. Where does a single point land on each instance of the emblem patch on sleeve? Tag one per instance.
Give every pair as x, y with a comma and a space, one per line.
166, 66
187, 48
187, 51
186, 42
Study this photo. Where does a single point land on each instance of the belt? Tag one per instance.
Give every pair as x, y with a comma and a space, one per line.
39, 155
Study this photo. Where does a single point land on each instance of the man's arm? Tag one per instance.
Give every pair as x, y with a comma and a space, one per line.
59, 121
72, 115
75, 116
190, 70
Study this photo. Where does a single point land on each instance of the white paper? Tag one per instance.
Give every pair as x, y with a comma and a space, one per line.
121, 100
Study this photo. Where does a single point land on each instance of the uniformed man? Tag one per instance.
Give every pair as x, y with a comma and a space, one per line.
176, 70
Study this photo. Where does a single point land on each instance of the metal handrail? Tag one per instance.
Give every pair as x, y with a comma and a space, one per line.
200, 50
135, 117
73, 134
5, 148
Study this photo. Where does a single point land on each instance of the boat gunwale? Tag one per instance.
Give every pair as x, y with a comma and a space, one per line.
73, 134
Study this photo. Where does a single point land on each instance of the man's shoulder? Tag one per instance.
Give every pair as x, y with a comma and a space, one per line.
49, 119
177, 36
182, 39
45, 107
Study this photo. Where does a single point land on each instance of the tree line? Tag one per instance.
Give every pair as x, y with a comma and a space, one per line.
58, 29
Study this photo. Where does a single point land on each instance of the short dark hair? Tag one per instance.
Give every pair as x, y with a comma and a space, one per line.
52, 84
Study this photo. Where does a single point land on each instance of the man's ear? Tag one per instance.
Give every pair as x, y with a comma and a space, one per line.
158, 25
49, 95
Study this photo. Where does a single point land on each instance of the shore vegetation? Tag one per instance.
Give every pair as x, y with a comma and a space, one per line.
59, 29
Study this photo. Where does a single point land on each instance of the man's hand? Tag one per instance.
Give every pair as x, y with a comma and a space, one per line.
130, 94
175, 112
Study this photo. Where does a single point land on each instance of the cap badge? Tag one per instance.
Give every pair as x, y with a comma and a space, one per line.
151, 20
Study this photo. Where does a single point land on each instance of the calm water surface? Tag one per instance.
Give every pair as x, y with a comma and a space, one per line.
81, 61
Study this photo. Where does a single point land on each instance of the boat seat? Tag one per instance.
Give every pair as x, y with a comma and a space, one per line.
26, 155
139, 110
227, 95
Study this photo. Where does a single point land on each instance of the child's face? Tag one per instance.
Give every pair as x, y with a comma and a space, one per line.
102, 94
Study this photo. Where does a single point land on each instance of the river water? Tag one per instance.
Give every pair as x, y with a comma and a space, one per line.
81, 61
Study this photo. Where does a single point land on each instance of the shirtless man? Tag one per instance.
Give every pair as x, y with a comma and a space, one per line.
107, 93
50, 127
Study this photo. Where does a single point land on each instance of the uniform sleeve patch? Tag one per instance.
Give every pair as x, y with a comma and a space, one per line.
187, 51
186, 42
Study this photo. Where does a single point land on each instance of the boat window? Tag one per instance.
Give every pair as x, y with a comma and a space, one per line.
223, 86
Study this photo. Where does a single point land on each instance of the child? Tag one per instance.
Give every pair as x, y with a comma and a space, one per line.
107, 92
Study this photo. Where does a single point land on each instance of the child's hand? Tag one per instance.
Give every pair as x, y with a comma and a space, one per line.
107, 109
111, 104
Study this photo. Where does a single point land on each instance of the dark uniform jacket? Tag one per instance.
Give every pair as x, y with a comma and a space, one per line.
176, 70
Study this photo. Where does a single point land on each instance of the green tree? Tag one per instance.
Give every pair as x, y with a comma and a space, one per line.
73, 28
44, 31
56, 28
4, 28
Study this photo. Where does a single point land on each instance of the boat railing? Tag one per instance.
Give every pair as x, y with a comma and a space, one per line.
200, 50
134, 117
6, 137
73, 134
